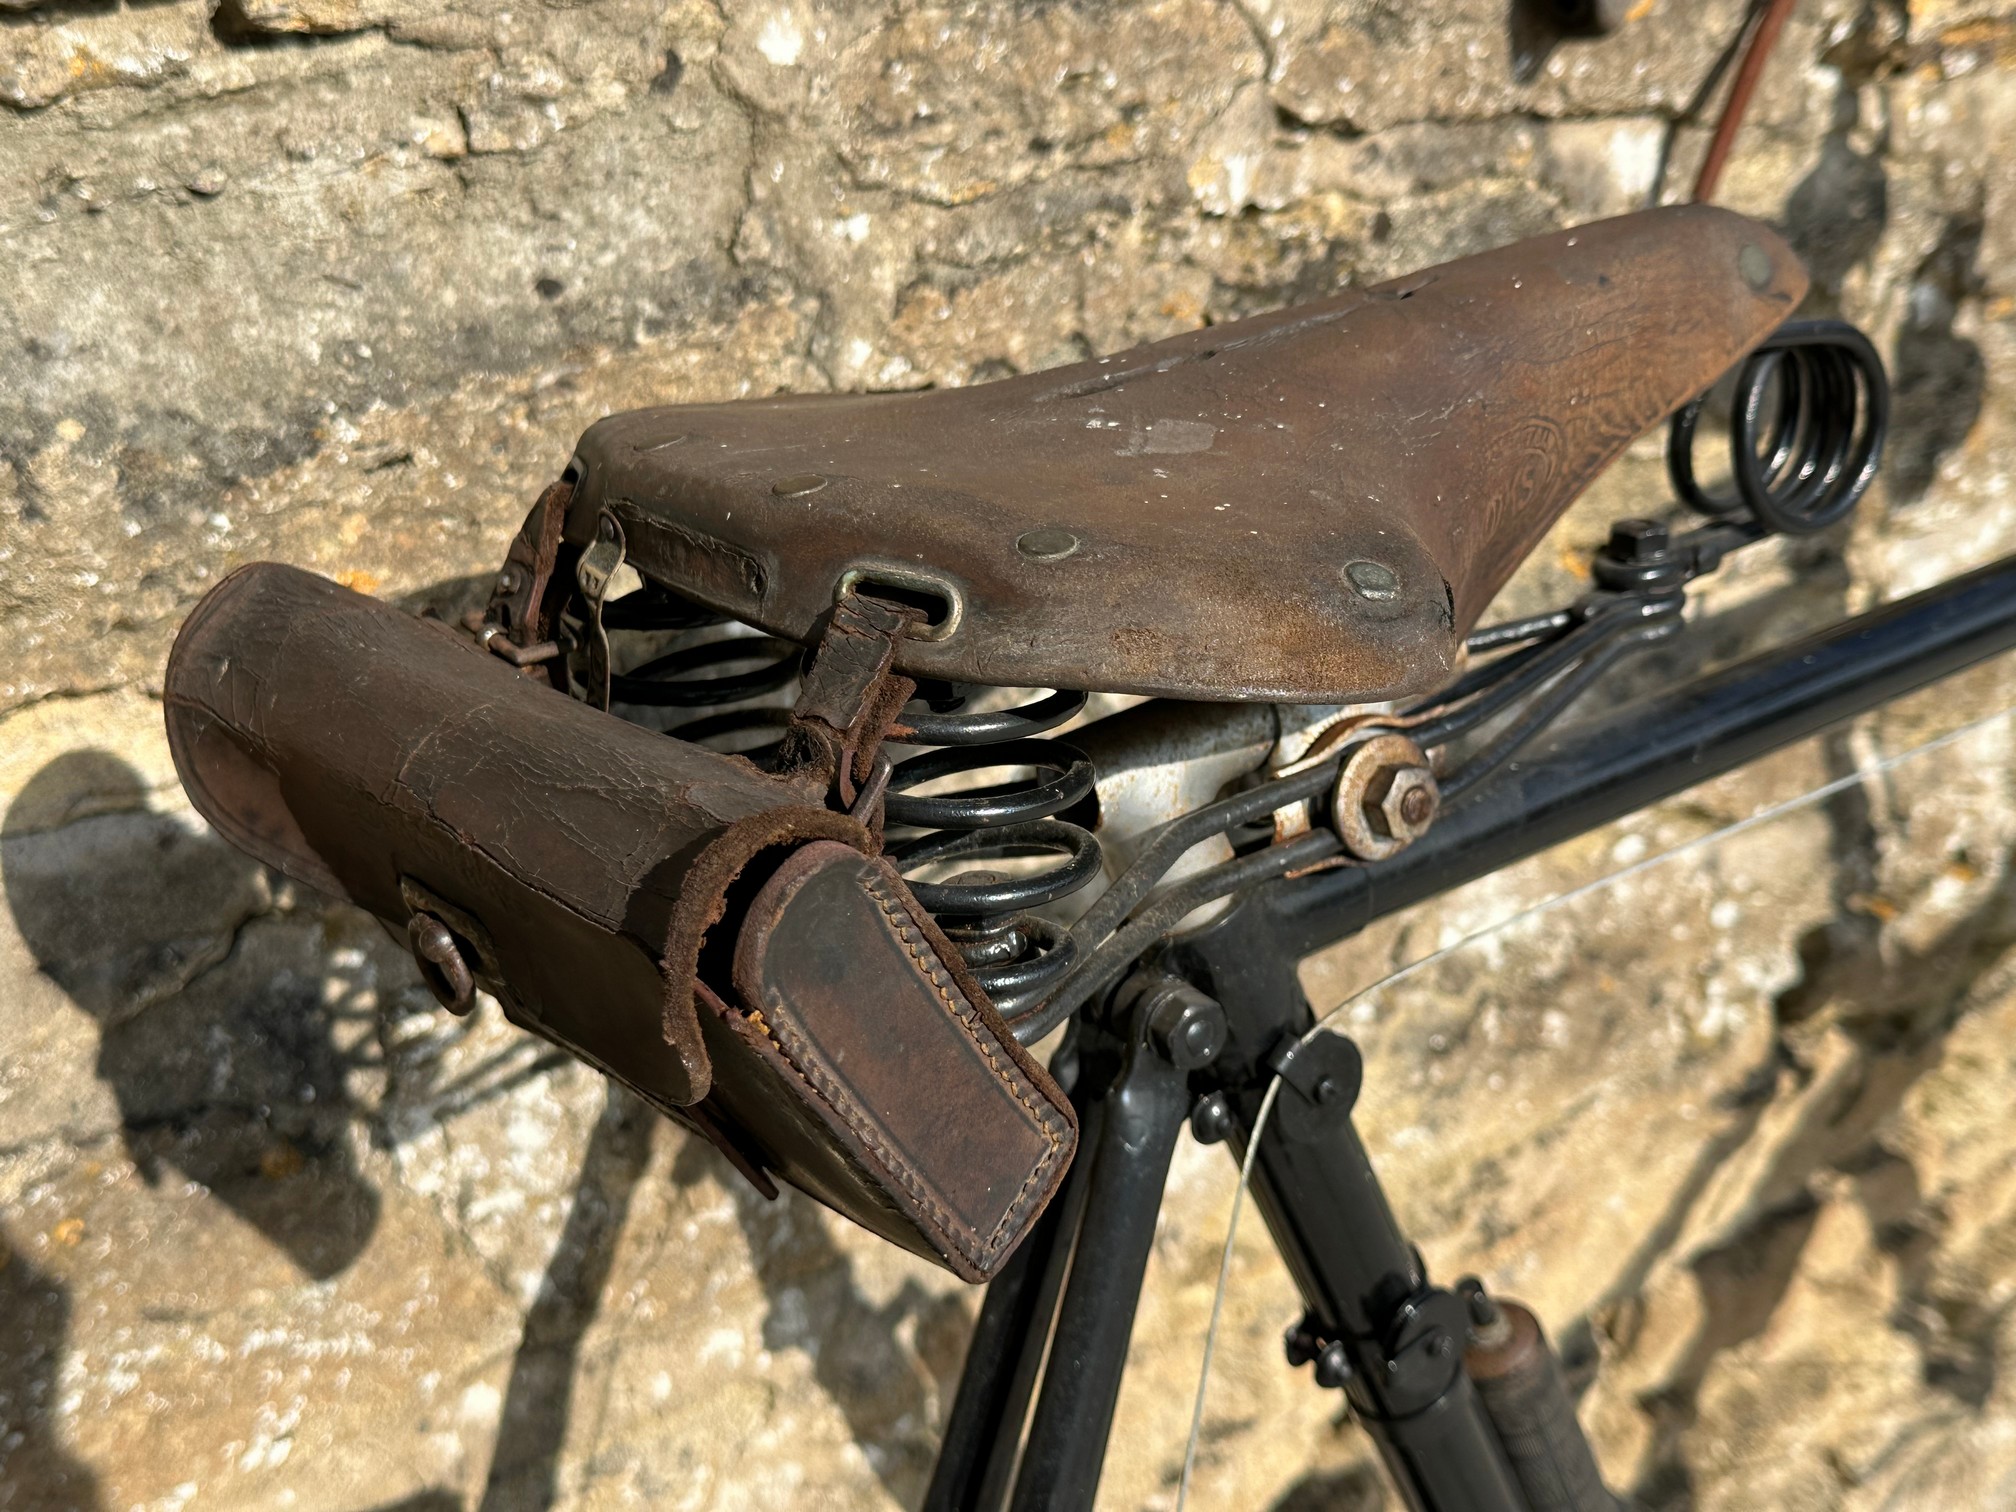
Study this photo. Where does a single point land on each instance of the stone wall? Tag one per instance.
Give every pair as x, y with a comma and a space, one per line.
338, 281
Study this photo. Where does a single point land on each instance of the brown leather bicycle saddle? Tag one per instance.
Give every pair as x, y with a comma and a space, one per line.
1313, 505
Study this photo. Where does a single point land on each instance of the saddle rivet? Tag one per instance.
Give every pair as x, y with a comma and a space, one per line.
1372, 580
1754, 263
798, 483
1049, 543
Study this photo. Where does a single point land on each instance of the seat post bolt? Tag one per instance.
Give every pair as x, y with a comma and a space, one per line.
1638, 540
1185, 1027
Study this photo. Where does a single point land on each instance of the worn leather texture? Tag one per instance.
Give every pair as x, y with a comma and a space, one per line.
847, 992
590, 866
358, 748
849, 698
1180, 518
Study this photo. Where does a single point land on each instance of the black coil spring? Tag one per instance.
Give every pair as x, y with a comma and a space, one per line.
1808, 417
705, 675
1014, 954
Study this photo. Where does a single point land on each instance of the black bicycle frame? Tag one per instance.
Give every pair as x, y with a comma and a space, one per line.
1218, 1015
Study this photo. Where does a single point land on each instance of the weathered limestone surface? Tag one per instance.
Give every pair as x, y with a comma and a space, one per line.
338, 282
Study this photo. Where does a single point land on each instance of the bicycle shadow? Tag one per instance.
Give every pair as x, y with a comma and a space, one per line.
1895, 1005
524, 1474
890, 1388
1356, 1488
36, 1473
130, 911
1938, 374
890, 1368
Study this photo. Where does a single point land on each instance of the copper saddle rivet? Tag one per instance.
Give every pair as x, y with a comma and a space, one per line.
1372, 580
798, 483
442, 964
1754, 263
1048, 543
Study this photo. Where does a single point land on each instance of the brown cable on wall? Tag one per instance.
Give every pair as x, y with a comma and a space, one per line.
1770, 20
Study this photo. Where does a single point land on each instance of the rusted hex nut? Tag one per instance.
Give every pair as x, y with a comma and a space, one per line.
1386, 797
442, 964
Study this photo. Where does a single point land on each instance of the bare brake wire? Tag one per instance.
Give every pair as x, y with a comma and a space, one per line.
1819, 794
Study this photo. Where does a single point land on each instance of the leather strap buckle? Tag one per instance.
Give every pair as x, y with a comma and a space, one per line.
851, 697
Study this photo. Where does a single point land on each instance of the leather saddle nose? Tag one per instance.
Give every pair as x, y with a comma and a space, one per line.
1312, 506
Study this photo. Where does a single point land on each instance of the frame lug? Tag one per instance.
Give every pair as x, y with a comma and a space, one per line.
1424, 1348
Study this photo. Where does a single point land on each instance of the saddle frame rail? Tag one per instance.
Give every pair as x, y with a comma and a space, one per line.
1203, 1026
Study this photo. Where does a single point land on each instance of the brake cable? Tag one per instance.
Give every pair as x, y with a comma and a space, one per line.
1271, 1092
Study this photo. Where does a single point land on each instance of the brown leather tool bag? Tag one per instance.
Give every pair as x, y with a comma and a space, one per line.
711, 936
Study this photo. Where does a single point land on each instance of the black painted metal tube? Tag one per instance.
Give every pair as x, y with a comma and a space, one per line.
1132, 1139
1338, 1235
976, 1457
1333, 1227
1601, 770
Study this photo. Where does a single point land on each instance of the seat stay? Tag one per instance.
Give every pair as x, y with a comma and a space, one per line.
1313, 505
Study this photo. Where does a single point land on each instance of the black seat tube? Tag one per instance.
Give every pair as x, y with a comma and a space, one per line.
1135, 1119
1331, 1223
1004, 1361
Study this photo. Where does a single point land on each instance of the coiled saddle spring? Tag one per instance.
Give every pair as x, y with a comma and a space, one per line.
1808, 416
706, 675
955, 837
1014, 954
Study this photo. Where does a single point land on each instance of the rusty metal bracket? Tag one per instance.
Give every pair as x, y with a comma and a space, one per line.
452, 948
518, 598
497, 642
1330, 737
592, 571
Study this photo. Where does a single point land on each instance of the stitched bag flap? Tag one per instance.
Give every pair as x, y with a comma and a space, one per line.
901, 1054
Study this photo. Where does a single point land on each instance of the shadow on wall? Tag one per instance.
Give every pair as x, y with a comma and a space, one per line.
524, 1471
236, 1081
1357, 1488
1834, 218
890, 1369
228, 1069
35, 1474
242, 1091
1836, 215
1936, 374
